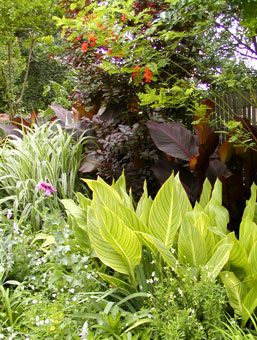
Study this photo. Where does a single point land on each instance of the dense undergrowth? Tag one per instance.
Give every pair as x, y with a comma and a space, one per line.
113, 268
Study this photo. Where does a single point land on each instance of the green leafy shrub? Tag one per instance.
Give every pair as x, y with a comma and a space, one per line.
184, 307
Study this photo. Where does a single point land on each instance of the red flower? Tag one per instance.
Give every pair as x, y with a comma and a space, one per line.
110, 51
123, 17
136, 71
148, 75
84, 47
92, 39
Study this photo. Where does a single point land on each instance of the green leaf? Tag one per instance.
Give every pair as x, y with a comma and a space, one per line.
191, 246
166, 211
144, 206
251, 203
121, 238
236, 290
117, 282
206, 193
252, 259
84, 201
164, 251
250, 280
249, 305
109, 256
220, 256
238, 258
79, 214
247, 233
80, 233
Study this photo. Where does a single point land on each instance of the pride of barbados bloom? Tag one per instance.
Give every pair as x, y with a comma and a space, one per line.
148, 75
47, 187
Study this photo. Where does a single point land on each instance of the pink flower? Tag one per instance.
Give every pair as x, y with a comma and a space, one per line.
47, 187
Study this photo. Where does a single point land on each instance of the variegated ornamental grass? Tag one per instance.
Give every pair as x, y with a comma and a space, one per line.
45, 154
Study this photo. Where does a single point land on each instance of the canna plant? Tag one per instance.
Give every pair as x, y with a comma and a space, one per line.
240, 274
122, 234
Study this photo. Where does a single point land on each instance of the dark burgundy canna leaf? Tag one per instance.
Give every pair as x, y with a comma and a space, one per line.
173, 139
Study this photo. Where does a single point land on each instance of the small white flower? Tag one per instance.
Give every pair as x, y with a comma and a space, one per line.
172, 250
1, 336
34, 301
9, 214
46, 321
226, 275
153, 274
37, 318
84, 331
72, 290
207, 267
74, 298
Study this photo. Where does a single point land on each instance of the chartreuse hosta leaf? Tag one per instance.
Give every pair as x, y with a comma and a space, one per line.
167, 210
251, 203
248, 233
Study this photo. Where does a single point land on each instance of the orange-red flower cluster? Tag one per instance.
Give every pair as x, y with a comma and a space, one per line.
110, 51
148, 75
84, 47
123, 17
92, 39
136, 71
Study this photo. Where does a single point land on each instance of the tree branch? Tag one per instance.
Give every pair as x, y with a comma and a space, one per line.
26, 76
10, 103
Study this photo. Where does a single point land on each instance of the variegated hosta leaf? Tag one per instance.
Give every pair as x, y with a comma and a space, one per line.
247, 233
251, 203
206, 193
236, 291
238, 258
165, 214
120, 237
191, 246
252, 259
